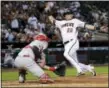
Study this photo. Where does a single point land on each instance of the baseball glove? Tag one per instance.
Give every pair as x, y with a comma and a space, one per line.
61, 69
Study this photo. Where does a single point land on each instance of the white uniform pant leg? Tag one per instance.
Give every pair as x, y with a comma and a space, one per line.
84, 67
28, 64
70, 49
74, 56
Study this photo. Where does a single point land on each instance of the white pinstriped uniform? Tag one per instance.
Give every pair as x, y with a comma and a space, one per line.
69, 33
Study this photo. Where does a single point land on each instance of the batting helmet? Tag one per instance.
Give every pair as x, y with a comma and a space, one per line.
67, 12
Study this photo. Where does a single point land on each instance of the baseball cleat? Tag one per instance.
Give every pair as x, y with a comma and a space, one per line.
92, 70
22, 76
44, 79
79, 74
94, 73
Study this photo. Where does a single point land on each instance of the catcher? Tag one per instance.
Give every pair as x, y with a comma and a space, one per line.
32, 58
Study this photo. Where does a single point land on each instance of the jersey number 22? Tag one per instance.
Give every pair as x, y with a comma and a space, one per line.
69, 30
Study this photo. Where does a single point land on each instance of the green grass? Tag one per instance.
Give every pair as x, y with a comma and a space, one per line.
13, 75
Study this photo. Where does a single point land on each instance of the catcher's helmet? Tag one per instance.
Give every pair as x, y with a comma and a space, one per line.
41, 37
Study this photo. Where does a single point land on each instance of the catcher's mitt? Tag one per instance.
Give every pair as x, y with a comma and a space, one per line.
61, 69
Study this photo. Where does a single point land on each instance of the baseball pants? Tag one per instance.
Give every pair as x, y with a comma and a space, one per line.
70, 54
29, 64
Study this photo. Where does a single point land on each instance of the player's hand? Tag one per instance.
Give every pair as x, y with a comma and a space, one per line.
63, 63
87, 35
61, 69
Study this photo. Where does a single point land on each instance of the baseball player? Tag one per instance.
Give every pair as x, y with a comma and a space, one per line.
68, 30
32, 58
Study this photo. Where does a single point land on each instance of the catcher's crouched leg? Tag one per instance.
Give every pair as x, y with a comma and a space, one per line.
44, 79
22, 75
61, 69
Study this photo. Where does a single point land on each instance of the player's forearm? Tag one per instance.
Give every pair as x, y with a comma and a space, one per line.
50, 68
42, 62
51, 19
90, 27
58, 34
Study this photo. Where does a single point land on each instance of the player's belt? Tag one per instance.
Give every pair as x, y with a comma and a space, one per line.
27, 46
67, 41
26, 55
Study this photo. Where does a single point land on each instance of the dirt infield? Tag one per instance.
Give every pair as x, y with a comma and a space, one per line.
100, 80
